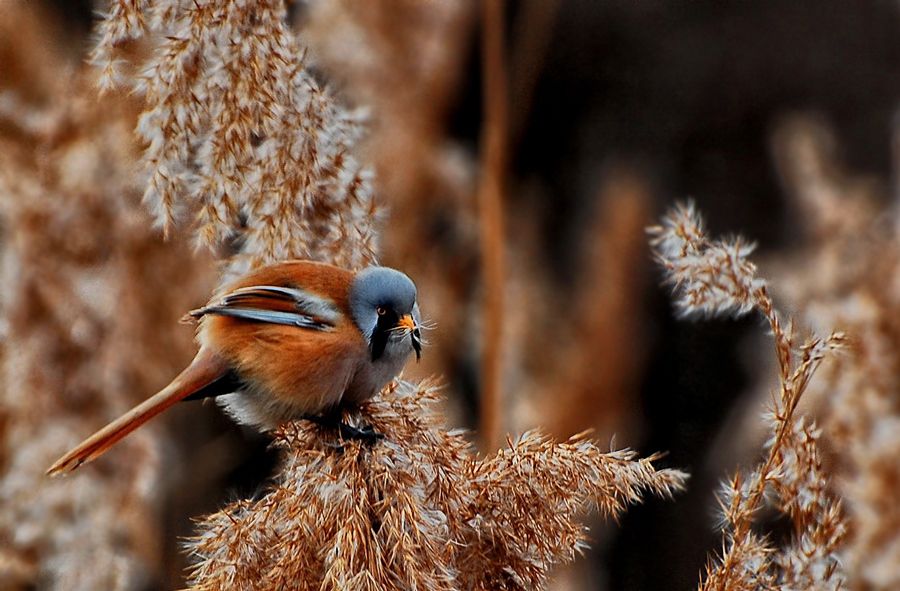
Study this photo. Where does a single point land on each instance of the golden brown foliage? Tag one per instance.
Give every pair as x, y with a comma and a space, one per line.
84, 336
845, 274
242, 142
418, 510
240, 135
716, 277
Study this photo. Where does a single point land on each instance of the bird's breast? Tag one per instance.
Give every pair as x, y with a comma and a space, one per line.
372, 376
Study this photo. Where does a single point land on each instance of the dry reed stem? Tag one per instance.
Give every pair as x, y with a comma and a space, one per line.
494, 142
716, 277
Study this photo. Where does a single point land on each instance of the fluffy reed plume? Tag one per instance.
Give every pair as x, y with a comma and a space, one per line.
716, 277
844, 274
84, 335
239, 134
418, 510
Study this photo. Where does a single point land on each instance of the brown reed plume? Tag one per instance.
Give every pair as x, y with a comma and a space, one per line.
594, 376
713, 278
843, 273
240, 135
419, 510
84, 334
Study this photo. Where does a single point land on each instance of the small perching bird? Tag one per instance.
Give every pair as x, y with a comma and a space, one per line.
293, 340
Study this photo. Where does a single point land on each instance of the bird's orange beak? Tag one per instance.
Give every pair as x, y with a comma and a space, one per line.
406, 321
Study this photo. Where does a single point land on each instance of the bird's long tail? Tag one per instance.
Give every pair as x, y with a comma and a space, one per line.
205, 370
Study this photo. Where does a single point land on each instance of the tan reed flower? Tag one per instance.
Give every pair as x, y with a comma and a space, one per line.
240, 135
844, 273
84, 336
419, 509
715, 277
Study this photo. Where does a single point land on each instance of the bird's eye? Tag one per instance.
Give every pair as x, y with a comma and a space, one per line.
381, 310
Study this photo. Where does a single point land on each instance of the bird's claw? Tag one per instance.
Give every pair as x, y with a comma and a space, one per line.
365, 434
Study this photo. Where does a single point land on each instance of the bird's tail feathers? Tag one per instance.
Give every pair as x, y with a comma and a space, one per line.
203, 370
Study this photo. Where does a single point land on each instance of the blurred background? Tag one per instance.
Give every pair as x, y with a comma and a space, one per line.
779, 119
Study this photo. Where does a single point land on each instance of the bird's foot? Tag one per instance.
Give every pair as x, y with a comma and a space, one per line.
366, 434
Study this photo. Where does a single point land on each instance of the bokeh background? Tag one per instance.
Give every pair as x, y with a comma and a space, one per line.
763, 113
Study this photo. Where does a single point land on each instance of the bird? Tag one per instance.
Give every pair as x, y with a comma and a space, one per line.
293, 340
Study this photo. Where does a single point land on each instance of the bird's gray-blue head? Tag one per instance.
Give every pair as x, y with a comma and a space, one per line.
383, 306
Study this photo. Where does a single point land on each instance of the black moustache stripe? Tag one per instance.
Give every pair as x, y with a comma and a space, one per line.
381, 334
417, 343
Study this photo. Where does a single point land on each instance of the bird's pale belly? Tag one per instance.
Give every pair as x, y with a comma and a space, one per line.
261, 407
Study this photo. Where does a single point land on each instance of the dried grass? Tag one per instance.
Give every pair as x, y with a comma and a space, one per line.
240, 135
84, 337
844, 273
713, 278
418, 510
595, 374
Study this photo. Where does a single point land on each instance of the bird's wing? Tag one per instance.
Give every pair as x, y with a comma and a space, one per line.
276, 305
